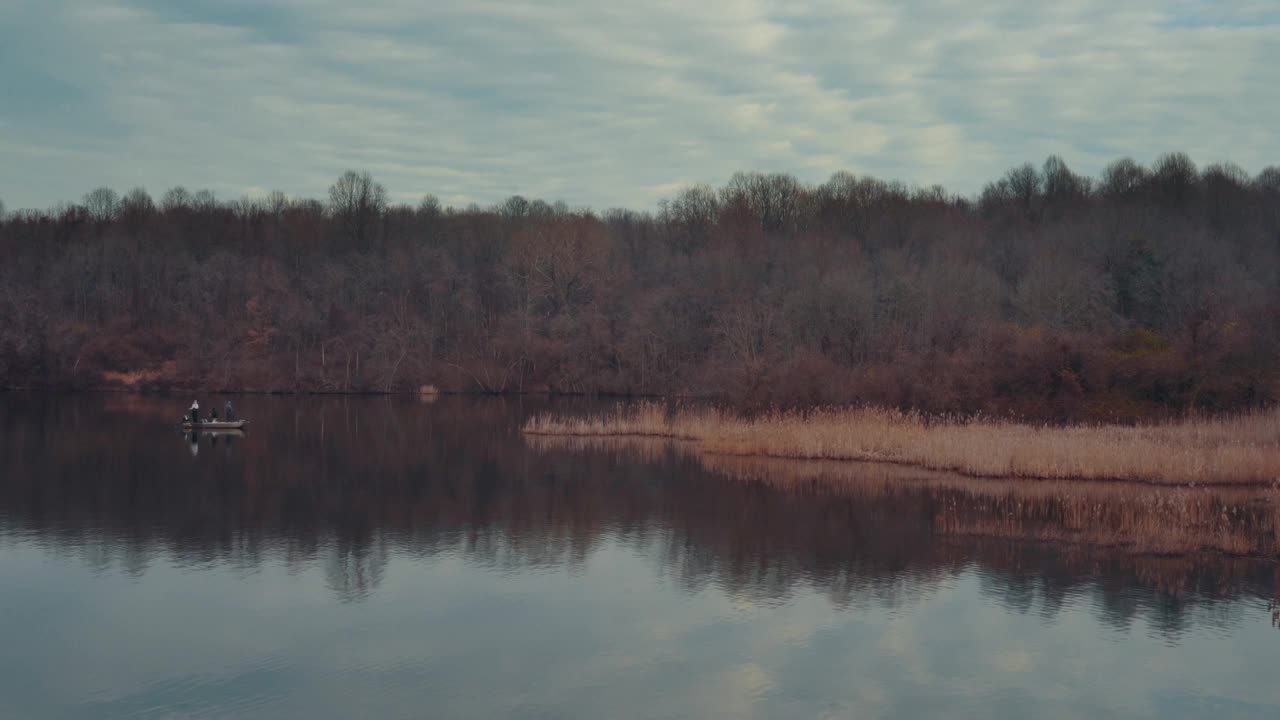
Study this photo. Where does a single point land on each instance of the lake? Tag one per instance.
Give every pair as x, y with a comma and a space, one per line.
398, 558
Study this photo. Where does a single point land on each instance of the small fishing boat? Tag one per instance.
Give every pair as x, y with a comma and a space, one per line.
214, 425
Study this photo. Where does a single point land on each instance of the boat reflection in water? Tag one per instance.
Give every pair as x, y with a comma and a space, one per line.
193, 437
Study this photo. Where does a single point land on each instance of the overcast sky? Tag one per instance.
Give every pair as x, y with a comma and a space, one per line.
616, 103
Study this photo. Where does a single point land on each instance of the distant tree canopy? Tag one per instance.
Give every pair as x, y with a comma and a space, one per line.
1144, 291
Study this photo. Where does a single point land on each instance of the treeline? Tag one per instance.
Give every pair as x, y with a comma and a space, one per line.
1051, 295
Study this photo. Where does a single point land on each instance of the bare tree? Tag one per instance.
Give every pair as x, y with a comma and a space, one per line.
746, 331
1060, 184
358, 202
777, 200
846, 203
429, 206
135, 209
1123, 177
1059, 291
557, 263
1021, 187
137, 201
102, 204
176, 198
276, 203
1269, 179
1175, 178
1025, 184
514, 207
1223, 185
204, 200
246, 209
689, 217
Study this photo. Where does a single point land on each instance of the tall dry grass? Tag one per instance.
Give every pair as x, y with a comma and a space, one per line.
1239, 450
646, 419
636, 448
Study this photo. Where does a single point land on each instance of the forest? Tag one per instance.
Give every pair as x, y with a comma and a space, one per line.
1143, 292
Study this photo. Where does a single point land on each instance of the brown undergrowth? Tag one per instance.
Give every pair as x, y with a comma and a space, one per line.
1240, 450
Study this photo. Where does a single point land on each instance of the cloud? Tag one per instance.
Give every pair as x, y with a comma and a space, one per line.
603, 104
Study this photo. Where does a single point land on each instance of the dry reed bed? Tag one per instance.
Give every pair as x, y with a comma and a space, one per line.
633, 448
1241, 450
645, 419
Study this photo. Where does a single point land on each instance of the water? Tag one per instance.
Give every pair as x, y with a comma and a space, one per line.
390, 558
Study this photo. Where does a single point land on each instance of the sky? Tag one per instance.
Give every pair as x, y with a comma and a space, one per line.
613, 104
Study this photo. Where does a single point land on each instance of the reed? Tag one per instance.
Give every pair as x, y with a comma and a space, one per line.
1238, 450
632, 448
646, 419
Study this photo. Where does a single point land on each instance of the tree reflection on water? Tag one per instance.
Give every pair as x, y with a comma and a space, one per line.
105, 477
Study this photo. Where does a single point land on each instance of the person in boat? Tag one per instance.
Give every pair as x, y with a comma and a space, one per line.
227, 413
213, 415
195, 412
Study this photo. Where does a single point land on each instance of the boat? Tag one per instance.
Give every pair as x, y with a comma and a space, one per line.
214, 425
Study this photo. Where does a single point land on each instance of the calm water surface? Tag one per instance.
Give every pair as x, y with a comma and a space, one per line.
393, 558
